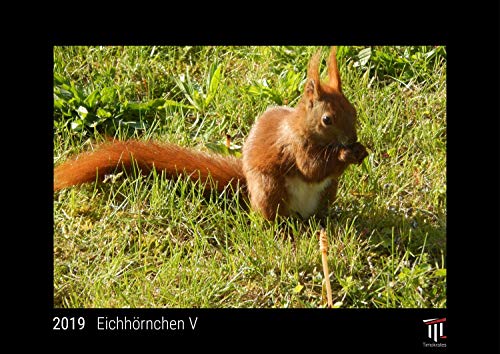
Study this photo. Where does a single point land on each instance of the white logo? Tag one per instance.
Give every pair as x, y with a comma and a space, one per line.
435, 328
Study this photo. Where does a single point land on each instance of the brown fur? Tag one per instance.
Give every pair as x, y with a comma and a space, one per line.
295, 142
171, 159
283, 143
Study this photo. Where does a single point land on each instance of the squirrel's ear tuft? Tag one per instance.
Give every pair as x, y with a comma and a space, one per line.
333, 71
313, 86
313, 69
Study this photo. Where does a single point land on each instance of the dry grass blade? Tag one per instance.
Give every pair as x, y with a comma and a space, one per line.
323, 246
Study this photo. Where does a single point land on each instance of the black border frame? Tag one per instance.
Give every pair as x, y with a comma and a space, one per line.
472, 240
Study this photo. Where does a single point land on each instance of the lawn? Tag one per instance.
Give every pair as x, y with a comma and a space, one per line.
145, 241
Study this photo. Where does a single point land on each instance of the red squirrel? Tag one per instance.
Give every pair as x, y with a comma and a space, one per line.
292, 159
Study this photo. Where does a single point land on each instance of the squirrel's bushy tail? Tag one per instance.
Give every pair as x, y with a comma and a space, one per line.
174, 160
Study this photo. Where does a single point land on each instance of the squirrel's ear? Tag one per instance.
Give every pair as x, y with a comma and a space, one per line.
333, 71
313, 86
311, 91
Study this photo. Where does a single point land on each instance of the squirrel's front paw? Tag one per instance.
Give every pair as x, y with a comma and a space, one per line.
354, 153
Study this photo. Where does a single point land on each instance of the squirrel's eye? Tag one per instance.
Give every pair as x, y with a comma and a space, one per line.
327, 120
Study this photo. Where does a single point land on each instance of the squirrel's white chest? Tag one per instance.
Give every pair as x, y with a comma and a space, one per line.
304, 197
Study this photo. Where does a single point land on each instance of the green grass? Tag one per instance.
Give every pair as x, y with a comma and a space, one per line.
144, 241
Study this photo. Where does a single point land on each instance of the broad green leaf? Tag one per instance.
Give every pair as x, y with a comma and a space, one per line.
58, 102
145, 106
108, 95
63, 93
440, 272
158, 102
91, 99
254, 90
195, 100
76, 93
171, 103
137, 106
213, 85
218, 148
58, 79
102, 113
